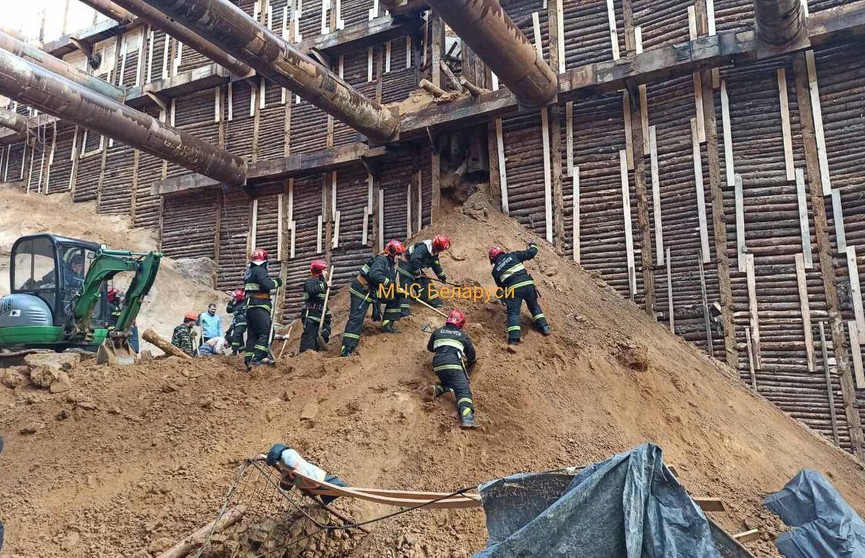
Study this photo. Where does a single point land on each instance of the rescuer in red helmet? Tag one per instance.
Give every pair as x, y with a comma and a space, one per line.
259, 306
375, 280
314, 291
418, 257
454, 357
237, 308
510, 273
182, 337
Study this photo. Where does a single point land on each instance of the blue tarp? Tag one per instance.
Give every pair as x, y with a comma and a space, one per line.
823, 523
629, 506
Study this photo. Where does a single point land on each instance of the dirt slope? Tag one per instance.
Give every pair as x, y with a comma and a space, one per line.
134, 458
171, 296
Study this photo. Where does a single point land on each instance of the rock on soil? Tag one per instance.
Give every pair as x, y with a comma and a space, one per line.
633, 356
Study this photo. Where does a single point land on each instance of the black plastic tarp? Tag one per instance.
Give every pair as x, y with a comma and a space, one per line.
628, 506
823, 523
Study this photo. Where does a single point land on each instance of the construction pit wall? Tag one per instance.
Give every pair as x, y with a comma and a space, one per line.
575, 162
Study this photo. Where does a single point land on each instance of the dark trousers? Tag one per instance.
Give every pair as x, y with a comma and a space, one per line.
311, 319
528, 294
238, 329
361, 300
258, 338
456, 381
419, 288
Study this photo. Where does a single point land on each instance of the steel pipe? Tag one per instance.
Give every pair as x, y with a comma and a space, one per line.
779, 22
13, 121
232, 29
496, 39
59, 67
50, 93
111, 10
161, 21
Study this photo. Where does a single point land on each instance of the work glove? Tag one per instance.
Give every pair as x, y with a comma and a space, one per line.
277, 281
533, 245
274, 454
443, 278
376, 312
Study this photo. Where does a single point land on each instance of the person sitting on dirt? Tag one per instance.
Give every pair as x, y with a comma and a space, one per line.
237, 308
291, 461
451, 345
211, 325
182, 337
215, 346
314, 290
510, 273
418, 257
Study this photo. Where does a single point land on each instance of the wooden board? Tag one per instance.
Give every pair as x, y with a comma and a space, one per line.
698, 104
701, 191
629, 235
670, 295
785, 124
818, 123
503, 179
805, 308
752, 309
855, 290
728, 135
560, 34
856, 352
629, 134
802, 200
614, 36
838, 218
575, 177
548, 178
656, 195
741, 249
569, 136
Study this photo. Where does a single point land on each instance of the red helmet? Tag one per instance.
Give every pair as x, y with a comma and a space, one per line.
394, 248
441, 243
457, 318
259, 256
238, 295
317, 267
113, 294
494, 253
190, 317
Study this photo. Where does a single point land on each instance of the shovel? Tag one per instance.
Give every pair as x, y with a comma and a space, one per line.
319, 339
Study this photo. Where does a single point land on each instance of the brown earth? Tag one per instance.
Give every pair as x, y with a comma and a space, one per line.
134, 458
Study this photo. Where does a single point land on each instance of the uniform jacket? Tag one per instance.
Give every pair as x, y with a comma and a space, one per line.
509, 271
450, 344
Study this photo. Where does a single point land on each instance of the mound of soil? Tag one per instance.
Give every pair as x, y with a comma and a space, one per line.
133, 458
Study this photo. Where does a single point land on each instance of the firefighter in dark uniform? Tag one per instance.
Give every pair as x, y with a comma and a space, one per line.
237, 308
259, 306
510, 273
418, 257
454, 356
314, 291
376, 277
113, 307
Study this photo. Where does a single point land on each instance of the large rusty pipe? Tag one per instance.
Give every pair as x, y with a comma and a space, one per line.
13, 121
779, 23
35, 86
229, 27
161, 21
59, 67
494, 37
111, 10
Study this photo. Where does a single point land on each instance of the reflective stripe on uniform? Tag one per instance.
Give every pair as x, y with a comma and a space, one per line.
506, 274
521, 284
513, 328
441, 367
251, 287
359, 294
313, 318
392, 311
261, 347
351, 335
458, 345
467, 411
465, 400
538, 317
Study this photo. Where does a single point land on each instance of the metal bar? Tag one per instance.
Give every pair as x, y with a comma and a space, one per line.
35, 86
230, 28
111, 10
56, 66
13, 121
161, 21
494, 37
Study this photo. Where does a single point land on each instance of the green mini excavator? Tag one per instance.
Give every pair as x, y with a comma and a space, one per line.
58, 297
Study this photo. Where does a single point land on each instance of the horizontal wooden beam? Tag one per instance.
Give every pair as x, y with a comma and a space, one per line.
190, 81
454, 114
264, 173
91, 35
361, 35
837, 23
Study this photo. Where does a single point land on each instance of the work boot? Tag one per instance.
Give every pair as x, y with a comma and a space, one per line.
545, 331
345, 351
513, 341
390, 328
468, 421
435, 391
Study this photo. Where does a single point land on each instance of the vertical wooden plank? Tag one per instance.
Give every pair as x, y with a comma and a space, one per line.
419, 200
656, 195
380, 220
801, 195
292, 225
318, 239
741, 249
838, 218
856, 351
629, 236
536, 30
728, 135
710, 15
503, 179
437, 46
855, 290
614, 36
698, 103
707, 323
670, 295
575, 177
629, 144
805, 308
569, 133
785, 124
752, 309
644, 99
280, 200
435, 179
548, 180
701, 191
751, 364
830, 390
560, 34
408, 204
692, 22
818, 123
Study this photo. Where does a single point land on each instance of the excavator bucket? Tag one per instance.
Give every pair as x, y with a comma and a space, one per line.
115, 352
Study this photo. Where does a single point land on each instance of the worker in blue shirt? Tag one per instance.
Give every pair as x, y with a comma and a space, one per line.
211, 326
